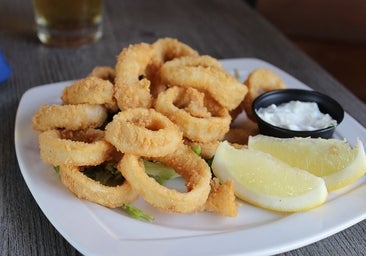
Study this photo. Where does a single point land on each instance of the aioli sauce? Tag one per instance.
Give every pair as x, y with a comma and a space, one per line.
296, 116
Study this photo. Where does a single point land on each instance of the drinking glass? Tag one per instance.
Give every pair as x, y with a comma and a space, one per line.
68, 22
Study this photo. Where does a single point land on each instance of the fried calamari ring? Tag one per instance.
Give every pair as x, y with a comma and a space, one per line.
197, 125
90, 90
143, 132
159, 85
71, 117
83, 147
103, 72
170, 48
86, 188
259, 81
132, 88
165, 49
184, 161
223, 87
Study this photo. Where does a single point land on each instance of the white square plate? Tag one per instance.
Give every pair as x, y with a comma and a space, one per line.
96, 230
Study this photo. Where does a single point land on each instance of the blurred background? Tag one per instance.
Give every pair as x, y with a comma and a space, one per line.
331, 32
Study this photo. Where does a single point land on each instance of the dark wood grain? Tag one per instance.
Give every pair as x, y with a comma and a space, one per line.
221, 28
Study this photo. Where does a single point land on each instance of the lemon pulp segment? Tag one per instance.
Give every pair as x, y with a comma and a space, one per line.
333, 160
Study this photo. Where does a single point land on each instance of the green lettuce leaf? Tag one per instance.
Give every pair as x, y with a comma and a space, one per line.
136, 213
160, 172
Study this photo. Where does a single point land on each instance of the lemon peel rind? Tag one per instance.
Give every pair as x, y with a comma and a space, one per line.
349, 174
282, 205
290, 204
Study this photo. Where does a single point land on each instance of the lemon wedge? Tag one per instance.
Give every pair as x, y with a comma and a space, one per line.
265, 181
334, 160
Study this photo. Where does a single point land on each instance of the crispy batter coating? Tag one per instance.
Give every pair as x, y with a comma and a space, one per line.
90, 90
223, 87
260, 80
222, 198
211, 127
143, 132
185, 162
132, 88
103, 72
86, 188
71, 117
79, 148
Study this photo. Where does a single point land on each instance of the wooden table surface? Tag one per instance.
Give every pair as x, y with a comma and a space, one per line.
220, 28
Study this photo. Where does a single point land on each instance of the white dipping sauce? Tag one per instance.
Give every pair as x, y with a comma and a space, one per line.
296, 116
